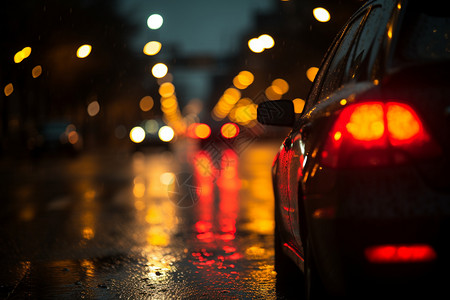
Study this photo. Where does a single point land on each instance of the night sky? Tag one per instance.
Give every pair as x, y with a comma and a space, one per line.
196, 26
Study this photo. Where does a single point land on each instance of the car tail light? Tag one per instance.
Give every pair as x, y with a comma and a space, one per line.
377, 133
400, 253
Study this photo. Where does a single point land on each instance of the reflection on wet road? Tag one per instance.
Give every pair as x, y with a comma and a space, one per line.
158, 224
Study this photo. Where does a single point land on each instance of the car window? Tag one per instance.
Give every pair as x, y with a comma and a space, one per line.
333, 76
368, 43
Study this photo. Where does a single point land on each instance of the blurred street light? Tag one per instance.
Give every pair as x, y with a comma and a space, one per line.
229, 130
152, 48
36, 72
321, 14
84, 51
159, 70
22, 54
299, 104
261, 43
93, 108
166, 133
146, 103
137, 134
267, 41
311, 73
256, 45
9, 89
155, 21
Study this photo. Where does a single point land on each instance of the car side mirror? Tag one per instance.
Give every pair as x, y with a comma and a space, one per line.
278, 113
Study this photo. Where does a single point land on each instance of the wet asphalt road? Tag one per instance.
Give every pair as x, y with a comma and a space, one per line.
180, 224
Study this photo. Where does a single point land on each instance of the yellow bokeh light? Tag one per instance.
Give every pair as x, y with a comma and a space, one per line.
22, 54
229, 130
272, 94
146, 103
36, 72
9, 89
159, 70
238, 84
245, 78
166, 89
311, 73
137, 134
168, 103
26, 52
139, 190
321, 14
299, 104
166, 133
280, 86
267, 41
167, 178
202, 131
84, 51
152, 48
256, 45
93, 108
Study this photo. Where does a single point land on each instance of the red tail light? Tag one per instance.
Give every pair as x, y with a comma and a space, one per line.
377, 133
400, 253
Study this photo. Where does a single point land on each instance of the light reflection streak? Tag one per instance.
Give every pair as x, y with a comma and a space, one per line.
217, 230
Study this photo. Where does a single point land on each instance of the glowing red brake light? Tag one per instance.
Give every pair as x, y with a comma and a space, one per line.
366, 122
400, 253
373, 133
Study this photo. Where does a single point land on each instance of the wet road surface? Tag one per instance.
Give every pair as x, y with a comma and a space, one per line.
180, 224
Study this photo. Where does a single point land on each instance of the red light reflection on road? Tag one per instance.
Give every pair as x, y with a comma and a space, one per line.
216, 230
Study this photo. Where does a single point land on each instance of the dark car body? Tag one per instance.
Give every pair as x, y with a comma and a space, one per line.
362, 191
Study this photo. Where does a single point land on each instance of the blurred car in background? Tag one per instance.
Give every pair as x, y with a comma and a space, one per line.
56, 137
220, 135
362, 192
152, 133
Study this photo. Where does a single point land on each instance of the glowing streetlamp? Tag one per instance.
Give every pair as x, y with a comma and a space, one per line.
137, 134
261, 43
155, 21
159, 70
152, 48
84, 51
321, 14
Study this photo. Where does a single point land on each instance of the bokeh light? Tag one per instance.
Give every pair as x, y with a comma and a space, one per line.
36, 72
321, 14
256, 45
9, 89
22, 54
299, 104
229, 130
166, 89
93, 108
146, 103
137, 134
159, 70
155, 21
84, 51
267, 41
202, 131
166, 133
280, 86
152, 48
311, 73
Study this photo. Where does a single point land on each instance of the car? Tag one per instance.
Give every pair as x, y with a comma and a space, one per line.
56, 137
361, 184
